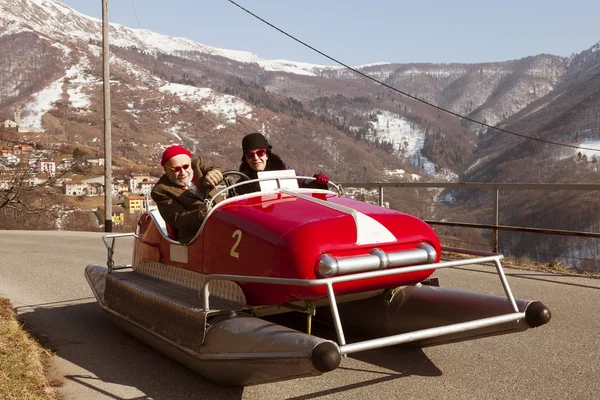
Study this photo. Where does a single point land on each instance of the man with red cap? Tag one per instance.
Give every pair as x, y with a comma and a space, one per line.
180, 192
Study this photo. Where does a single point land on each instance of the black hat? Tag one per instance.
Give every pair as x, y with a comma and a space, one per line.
254, 141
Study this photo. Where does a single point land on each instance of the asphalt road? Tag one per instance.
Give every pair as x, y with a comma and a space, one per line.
42, 273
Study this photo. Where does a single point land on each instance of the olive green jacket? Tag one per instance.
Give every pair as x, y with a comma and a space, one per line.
182, 209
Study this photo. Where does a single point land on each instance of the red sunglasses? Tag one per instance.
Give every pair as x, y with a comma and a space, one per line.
258, 152
178, 168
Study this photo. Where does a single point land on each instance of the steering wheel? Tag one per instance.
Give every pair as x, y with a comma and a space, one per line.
230, 177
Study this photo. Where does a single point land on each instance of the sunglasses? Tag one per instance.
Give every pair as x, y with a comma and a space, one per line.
258, 152
178, 168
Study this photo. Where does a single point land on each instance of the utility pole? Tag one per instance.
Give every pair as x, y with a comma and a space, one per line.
107, 123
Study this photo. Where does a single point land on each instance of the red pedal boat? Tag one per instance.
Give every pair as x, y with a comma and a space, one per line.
362, 268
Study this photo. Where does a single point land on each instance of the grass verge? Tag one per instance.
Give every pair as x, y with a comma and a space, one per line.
22, 361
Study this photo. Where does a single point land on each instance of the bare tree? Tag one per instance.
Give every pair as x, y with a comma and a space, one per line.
27, 202
80, 220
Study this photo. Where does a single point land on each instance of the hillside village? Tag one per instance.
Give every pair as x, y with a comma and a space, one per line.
70, 177
80, 176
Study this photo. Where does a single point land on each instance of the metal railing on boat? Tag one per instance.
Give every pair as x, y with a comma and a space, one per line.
483, 257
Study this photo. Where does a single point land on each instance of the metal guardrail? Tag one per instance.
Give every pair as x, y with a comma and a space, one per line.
495, 187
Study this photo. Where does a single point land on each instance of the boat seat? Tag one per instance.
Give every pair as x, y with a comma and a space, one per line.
172, 232
165, 229
171, 310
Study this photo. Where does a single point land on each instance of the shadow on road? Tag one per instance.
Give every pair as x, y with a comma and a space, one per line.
402, 362
110, 359
398, 360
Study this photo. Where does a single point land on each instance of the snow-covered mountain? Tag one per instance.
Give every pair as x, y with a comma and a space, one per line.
148, 58
61, 23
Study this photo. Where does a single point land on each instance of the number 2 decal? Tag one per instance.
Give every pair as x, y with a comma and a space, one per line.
234, 253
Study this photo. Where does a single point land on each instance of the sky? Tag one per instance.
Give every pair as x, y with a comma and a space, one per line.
358, 32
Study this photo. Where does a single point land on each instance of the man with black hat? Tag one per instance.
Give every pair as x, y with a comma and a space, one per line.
180, 192
257, 156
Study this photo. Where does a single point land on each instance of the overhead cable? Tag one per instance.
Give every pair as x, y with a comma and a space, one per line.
407, 94
136, 16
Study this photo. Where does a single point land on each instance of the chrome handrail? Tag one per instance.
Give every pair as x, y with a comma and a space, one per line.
110, 264
209, 202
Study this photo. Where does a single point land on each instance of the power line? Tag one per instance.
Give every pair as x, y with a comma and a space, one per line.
136, 16
407, 94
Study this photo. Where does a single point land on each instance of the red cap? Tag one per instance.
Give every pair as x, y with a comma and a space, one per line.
173, 151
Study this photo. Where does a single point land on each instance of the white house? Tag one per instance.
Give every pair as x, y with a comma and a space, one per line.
45, 166
9, 124
135, 180
5, 183
74, 188
96, 161
98, 179
10, 159
141, 184
94, 189
66, 163
13, 124
145, 186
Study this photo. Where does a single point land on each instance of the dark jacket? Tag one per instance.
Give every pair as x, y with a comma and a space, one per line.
274, 163
182, 209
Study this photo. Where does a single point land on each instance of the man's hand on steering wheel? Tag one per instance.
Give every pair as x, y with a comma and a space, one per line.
228, 178
213, 177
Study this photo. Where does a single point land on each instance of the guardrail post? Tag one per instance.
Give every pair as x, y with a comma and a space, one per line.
380, 196
496, 219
